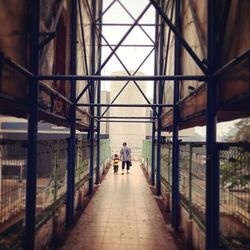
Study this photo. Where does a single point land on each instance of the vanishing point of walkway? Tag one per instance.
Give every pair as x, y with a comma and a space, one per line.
122, 215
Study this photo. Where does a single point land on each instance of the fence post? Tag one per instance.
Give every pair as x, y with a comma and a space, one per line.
175, 151
190, 179
212, 164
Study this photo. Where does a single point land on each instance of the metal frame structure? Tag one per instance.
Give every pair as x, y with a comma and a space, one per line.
94, 87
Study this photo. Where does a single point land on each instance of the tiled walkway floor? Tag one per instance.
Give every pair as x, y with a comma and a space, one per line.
122, 215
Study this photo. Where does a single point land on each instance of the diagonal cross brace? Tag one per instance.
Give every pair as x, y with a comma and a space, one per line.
180, 37
102, 14
123, 65
128, 82
143, 30
125, 68
114, 50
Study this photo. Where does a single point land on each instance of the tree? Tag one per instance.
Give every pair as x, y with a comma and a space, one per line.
243, 131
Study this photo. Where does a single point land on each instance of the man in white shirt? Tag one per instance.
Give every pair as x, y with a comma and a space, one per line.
125, 156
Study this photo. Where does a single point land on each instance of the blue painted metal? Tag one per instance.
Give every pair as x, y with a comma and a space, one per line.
154, 102
92, 100
72, 139
115, 48
175, 151
160, 90
212, 163
118, 94
1, 64
98, 101
31, 184
158, 167
200, 78
152, 179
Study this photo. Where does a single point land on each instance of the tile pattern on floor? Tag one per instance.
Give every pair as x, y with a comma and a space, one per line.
122, 215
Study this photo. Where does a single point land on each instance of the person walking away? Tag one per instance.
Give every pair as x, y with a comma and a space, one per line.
125, 156
116, 163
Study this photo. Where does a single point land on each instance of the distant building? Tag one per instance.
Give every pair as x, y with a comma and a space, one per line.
16, 129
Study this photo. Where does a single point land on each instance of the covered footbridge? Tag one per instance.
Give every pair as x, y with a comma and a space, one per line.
56, 186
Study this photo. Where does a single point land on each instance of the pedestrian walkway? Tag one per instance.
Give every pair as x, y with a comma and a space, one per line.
122, 215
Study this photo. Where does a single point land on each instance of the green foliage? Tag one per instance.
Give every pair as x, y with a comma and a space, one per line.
243, 131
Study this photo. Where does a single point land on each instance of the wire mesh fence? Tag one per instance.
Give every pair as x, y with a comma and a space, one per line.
52, 160
234, 185
235, 192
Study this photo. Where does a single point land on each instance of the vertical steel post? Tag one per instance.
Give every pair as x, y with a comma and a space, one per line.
92, 100
154, 101
161, 64
72, 139
212, 163
175, 152
190, 180
31, 184
98, 100
1, 64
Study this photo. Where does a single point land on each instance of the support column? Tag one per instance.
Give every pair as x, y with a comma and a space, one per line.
92, 100
154, 101
175, 151
160, 89
72, 139
31, 181
212, 163
99, 91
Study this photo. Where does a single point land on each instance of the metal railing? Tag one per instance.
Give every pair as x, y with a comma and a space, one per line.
51, 181
234, 184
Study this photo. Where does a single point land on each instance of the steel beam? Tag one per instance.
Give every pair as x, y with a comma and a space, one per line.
118, 94
212, 163
128, 121
31, 181
129, 45
168, 45
125, 117
168, 41
52, 29
47, 40
117, 46
108, 7
92, 100
152, 179
127, 11
1, 65
83, 37
19, 68
160, 90
175, 151
125, 68
201, 78
98, 128
72, 140
124, 105
127, 24
236, 61
180, 37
